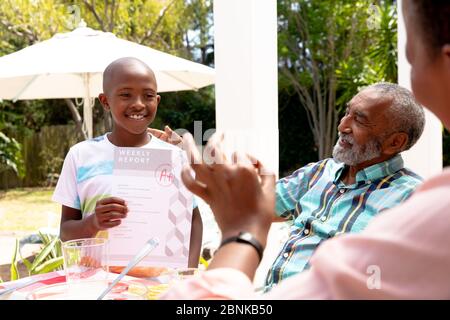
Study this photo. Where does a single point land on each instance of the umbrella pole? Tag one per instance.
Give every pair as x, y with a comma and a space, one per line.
87, 108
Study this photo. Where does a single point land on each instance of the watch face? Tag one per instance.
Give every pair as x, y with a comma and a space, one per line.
246, 236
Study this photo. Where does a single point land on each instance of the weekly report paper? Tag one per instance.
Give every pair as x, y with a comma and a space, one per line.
159, 205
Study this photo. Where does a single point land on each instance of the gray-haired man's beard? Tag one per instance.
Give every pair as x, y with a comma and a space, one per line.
357, 153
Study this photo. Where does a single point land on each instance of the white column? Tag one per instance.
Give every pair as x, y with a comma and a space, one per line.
425, 158
247, 76
246, 66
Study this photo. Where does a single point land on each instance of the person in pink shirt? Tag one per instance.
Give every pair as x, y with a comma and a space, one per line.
402, 254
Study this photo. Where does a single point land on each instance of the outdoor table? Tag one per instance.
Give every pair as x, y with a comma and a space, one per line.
58, 277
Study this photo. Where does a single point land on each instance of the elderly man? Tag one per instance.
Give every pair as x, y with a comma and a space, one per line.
365, 176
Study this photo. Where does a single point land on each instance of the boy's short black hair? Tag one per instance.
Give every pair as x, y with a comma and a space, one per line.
434, 21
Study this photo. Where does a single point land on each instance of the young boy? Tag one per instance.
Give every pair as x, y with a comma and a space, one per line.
85, 185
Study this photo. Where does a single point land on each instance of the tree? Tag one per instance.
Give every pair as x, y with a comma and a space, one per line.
158, 24
25, 22
198, 36
328, 50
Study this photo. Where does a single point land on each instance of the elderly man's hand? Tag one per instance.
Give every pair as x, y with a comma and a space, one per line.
168, 135
240, 191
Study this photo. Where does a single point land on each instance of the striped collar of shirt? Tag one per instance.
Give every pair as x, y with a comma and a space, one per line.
372, 173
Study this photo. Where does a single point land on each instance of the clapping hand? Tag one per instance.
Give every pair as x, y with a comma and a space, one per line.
239, 190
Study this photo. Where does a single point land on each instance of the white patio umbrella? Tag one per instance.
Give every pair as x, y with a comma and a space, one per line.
70, 65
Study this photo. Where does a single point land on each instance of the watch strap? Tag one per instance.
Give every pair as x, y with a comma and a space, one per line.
247, 238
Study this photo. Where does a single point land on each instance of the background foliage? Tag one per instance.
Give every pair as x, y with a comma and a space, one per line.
327, 51
330, 49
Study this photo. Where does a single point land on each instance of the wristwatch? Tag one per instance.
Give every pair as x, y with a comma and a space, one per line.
248, 238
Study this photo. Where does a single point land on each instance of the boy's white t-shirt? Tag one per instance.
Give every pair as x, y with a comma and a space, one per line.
87, 173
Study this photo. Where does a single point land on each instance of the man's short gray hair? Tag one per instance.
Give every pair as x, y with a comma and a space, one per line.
405, 114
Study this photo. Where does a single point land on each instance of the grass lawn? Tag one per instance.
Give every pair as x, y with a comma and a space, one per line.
28, 209
22, 212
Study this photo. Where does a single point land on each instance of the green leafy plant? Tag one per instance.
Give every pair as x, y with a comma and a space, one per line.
11, 155
48, 259
13, 269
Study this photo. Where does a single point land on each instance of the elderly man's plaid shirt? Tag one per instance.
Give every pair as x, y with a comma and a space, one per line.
321, 206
